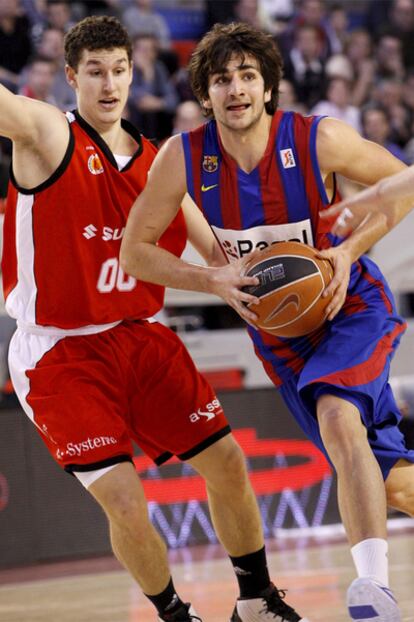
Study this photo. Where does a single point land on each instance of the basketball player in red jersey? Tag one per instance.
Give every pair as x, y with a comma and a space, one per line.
257, 176
393, 197
90, 370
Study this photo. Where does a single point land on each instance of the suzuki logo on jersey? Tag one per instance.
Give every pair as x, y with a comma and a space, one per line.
95, 164
287, 157
89, 232
112, 234
207, 413
236, 243
108, 233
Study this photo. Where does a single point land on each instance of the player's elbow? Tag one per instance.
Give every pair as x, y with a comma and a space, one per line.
128, 258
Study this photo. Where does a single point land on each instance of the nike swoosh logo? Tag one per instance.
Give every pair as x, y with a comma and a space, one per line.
206, 188
288, 300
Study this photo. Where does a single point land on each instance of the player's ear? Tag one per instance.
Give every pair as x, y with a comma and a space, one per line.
70, 76
206, 103
268, 96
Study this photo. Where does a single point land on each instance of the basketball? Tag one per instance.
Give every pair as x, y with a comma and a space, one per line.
292, 279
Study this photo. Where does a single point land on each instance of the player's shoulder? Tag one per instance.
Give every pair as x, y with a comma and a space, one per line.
172, 148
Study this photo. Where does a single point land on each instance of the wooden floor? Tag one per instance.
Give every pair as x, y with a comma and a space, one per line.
316, 574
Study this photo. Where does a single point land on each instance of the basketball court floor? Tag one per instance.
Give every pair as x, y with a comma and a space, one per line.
314, 571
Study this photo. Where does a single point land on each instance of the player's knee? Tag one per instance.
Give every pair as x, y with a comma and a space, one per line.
342, 431
124, 507
230, 469
401, 499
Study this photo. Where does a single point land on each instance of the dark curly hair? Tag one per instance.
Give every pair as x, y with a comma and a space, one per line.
95, 33
223, 41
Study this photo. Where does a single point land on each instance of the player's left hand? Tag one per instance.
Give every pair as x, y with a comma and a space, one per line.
338, 287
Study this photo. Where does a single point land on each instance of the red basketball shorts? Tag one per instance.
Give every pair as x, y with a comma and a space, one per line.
91, 395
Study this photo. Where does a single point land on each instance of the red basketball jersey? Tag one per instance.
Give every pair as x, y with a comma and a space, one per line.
62, 239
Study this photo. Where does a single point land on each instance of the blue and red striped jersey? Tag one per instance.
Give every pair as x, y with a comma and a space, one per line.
278, 200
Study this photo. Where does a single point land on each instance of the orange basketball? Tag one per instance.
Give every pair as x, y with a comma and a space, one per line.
292, 279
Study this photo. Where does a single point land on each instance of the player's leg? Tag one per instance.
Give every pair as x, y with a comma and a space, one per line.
237, 522
362, 504
81, 421
135, 542
399, 487
361, 492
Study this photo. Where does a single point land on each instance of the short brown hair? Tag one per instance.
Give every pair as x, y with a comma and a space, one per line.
223, 41
95, 33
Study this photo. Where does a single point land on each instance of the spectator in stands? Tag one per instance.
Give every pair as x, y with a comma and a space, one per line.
39, 80
188, 116
288, 99
51, 47
15, 42
388, 92
35, 11
388, 57
336, 27
358, 50
408, 91
140, 19
153, 98
377, 127
304, 66
59, 15
401, 21
278, 12
337, 103
310, 13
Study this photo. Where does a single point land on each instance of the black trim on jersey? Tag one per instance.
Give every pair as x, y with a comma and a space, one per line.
207, 442
103, 146
54, 176
93, 466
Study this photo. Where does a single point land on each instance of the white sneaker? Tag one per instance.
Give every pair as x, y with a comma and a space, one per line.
186, 613
370, 601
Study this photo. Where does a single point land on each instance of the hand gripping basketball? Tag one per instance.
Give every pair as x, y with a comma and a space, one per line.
292, 280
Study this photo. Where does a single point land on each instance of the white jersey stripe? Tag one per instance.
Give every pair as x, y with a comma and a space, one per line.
21, 302
25, 351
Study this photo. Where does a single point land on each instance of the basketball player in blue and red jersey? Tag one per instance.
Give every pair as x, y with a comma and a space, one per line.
257, 176
90, 370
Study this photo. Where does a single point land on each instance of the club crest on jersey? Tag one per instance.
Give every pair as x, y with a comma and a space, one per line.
287, 157
95, 164
210, 163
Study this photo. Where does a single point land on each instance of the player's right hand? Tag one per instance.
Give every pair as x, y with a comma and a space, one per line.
228, 282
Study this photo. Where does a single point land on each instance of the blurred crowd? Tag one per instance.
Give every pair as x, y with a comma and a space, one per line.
352, 60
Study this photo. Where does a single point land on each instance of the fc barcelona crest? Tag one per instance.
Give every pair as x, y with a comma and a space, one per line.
210, 163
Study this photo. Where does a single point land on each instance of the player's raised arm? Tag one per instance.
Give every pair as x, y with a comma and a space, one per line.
23, 119
392, 196
40, 135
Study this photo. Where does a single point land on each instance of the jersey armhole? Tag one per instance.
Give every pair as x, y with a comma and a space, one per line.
185, 137
55, 175
315, 164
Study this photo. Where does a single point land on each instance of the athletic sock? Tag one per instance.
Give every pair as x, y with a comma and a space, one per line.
252, 573
371, 560
167, 601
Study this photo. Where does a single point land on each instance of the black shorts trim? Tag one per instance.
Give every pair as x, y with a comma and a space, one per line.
207, 442
93, 466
